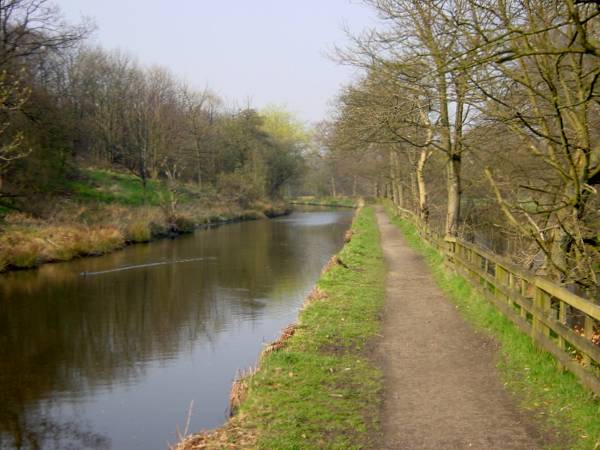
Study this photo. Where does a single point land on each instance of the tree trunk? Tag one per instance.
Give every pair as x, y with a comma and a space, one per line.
198, 164
398, 184
393, 176
422, 186
414, 192
454, 160
400, 190
333, 192
453, 185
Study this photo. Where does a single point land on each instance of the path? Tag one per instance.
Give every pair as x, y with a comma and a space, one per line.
442, 388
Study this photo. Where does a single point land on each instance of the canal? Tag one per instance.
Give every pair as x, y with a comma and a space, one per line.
109, 352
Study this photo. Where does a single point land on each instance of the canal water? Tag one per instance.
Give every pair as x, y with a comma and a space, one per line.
109, 352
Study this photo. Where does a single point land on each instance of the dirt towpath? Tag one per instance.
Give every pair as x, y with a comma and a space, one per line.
442, 388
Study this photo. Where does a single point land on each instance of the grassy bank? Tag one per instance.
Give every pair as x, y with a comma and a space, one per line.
345, 202
319, 387
571, 413
102, 211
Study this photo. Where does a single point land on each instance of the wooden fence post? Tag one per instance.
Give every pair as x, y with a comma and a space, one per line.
562, 318
524, 294
449, 253
541, 301
588, 332
546, 307
511, 287
498, 275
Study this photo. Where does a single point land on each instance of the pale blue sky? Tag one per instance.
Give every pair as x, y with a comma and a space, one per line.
271, 51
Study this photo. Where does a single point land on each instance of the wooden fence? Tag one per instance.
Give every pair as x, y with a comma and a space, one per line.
560, 322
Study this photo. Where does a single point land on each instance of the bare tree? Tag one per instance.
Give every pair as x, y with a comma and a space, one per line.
31, 27
12, 98
541, 66
418, 41
201, 109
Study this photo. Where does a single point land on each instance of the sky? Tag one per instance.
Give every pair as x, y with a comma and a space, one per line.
262, 51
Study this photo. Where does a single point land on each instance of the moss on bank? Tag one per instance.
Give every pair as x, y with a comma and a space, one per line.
319, 388
571, 413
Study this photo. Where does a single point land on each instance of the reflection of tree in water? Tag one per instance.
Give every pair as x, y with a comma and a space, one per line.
76, 342
60, 332
30, 432
276, 258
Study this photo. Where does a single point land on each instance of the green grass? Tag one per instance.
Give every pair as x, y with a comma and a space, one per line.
322, 390
113, 187
570, 412
106, 186
325, 201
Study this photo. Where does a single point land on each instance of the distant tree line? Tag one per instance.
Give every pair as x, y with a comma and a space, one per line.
482, 116
65, 104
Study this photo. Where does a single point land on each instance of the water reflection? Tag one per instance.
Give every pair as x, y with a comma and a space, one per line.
108, 352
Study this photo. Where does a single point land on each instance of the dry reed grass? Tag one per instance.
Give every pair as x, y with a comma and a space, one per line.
230, 436
348, 236
279, 343
315, 295
329, 265
138, 231
239, 389
3, 259
29, 247
335, 260
69, 229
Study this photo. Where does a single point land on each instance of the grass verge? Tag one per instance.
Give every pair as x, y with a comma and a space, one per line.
571, 413
325, 201
321, 389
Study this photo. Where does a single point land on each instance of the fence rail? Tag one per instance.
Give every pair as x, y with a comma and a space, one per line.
559, 321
